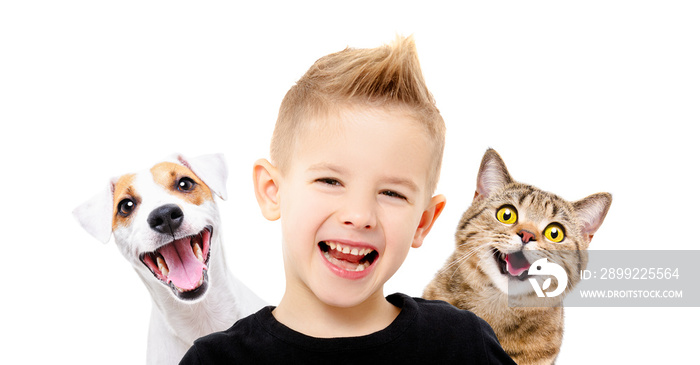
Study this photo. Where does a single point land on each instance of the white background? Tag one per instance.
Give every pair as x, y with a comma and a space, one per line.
577, 98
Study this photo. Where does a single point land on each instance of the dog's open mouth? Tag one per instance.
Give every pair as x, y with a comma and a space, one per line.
182, 264
515, 265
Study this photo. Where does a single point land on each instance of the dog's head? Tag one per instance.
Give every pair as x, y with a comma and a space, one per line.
163, 220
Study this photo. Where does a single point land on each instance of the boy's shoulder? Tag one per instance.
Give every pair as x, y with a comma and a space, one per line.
429, 307
449, 334
230, 345
440, 317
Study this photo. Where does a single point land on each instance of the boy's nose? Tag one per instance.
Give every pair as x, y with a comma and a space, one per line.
357, 224
358, 214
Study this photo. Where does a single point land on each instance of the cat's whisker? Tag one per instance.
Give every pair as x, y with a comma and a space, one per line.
464, 258
459, 260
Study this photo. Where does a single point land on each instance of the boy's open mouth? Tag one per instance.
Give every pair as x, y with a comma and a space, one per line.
347, 257
182, 264
515, 264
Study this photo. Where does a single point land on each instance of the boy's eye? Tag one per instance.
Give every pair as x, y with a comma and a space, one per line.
393, 194
329, 181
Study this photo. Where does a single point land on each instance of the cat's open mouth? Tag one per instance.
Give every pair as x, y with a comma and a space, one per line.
514, 264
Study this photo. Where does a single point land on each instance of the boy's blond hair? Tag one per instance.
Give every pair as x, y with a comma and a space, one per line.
388, 76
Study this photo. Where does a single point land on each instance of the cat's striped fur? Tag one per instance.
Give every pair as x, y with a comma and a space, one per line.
490, 253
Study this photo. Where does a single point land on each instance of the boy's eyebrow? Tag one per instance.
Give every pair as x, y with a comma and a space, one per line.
325, 166
409, 184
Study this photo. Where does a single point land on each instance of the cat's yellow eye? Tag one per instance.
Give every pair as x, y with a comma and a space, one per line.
507, 214
554, 232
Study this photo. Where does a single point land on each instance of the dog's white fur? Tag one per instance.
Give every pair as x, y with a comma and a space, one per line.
175, 323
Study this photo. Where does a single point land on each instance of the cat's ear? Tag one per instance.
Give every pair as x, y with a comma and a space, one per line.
493, 175
591, 210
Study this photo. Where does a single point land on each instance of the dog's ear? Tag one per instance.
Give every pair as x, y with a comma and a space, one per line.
211, 169
95, 215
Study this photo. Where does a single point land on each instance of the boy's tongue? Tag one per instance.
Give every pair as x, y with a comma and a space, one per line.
345, 260
346, 257
185, 269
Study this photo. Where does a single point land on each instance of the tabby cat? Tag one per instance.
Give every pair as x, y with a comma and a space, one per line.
508, 227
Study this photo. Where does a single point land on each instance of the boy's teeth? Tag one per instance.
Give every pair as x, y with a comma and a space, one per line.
198, 252
362, 267
348, 250
162, 266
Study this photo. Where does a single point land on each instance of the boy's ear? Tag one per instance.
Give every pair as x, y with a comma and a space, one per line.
265, 178
430, 215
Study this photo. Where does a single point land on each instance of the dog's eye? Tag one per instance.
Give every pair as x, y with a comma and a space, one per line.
185, 184
125, 207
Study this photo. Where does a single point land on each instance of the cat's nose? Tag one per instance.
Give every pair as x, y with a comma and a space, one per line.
526, 236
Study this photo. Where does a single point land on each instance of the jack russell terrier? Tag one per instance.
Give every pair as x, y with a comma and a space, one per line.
166, 223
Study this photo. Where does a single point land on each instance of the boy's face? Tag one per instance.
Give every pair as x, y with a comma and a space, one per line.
352, 203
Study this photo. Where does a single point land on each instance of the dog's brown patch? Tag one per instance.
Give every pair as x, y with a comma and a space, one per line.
123, 189
168, 174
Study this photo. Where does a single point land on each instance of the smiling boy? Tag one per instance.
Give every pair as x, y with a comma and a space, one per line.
355, 158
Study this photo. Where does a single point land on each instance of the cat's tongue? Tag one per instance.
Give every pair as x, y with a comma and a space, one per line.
185, 269
517, 263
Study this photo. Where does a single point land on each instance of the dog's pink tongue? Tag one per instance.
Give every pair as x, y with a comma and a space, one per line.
185, 269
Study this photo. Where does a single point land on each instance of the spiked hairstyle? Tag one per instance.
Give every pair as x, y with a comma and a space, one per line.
384, 77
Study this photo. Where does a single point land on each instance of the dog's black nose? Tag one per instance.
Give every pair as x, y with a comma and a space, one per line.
166, 219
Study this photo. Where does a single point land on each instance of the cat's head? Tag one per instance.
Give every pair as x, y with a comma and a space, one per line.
511, 225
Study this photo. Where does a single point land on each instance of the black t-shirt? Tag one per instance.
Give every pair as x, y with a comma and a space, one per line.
425, 332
